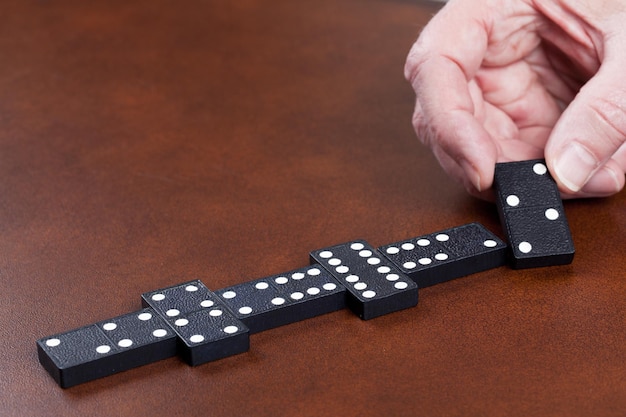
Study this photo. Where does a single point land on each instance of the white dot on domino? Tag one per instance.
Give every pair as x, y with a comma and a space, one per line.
409, 265
159, 333
278, 301
489, 243
441, 256
231, 329
525, 247
313, 291
144, 316
206, 303
245, 310
229, 294
357, 246
109, 326
352, 278
181, 322
442, 237
125, 343
53, 342
512, 200
297, 295
103, 349
552, 214
540, 169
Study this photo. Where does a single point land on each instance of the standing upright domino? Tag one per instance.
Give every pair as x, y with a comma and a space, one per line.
532, 215
375, 285
206, 329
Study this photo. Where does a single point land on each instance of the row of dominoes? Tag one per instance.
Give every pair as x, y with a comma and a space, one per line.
200, 325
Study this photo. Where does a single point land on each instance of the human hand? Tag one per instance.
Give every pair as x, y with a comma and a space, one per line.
505, 80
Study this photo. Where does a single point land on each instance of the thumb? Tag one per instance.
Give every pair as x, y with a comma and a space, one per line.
590, 131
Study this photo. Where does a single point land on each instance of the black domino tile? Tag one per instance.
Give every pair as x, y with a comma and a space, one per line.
313, 291
530, 181
375, 286
286, 298
210, 334
532, 215
538, 239
258, 304
207, 330
448, 254
105, 348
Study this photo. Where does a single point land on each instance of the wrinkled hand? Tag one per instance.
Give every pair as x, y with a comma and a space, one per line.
503, 80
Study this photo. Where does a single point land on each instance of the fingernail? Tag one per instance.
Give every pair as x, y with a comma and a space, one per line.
603, 183
574, 166
472, 174
617, 186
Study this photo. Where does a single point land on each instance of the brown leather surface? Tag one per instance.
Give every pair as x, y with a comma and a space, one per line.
146, 143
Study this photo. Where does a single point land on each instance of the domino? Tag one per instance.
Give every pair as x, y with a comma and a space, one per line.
105, 348
442, 256
202, 326
206, 329
375, 286
532, 215
286, 298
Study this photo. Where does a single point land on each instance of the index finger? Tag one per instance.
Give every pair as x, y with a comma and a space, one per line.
451, 48
440, 65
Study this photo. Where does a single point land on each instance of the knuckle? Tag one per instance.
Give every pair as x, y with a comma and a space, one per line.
423, 128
